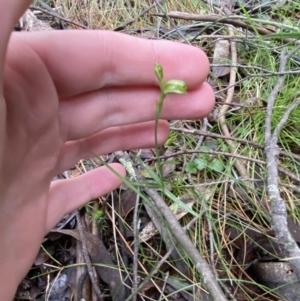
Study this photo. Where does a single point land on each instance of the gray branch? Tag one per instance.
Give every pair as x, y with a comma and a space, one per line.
200, 263
272, 98
284, 238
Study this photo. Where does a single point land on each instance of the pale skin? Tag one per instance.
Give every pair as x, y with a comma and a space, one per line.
63, 96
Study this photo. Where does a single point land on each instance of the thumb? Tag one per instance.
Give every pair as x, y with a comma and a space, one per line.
67, 195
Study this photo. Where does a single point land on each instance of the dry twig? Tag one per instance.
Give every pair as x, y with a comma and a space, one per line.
243, 141
145, 11
86, 255
57, 16
238, 164
200, 263
233, 20
87, 258
284, 238
136, 248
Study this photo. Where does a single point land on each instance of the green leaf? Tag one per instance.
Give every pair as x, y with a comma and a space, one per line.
191, 167
180, 203
224, 148
174, 86
282, 35
216, 165
200, 163
159, 73
205, 148
167, 192
174, 208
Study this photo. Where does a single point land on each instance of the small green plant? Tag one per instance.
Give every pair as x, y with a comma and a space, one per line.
97, 216
206, 161
172, 86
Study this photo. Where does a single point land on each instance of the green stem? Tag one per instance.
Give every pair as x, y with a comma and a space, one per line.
159, 106
172, 86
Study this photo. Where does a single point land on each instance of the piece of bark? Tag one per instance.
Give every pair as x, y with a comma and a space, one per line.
31, 23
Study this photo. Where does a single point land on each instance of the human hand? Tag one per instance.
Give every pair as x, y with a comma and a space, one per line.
64, 96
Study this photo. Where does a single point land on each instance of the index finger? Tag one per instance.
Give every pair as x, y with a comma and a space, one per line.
83, 61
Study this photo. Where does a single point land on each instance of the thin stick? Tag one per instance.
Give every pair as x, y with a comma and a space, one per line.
86, 255
172, 23
269, 72
152, 273
216, 153
87, 259
200, 141
243, 141
281, 169
222, 117
238, 21
57, 16
139, 16
136, 247
164, 258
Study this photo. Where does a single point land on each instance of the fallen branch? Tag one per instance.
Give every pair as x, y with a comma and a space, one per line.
284, 238
181, 238
200, 263
237, 21
233, 20
87, 258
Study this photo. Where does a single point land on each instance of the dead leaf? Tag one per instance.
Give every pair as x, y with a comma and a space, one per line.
107, 271
169, 166
221, 56
253, 244
146, 153
127, 203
